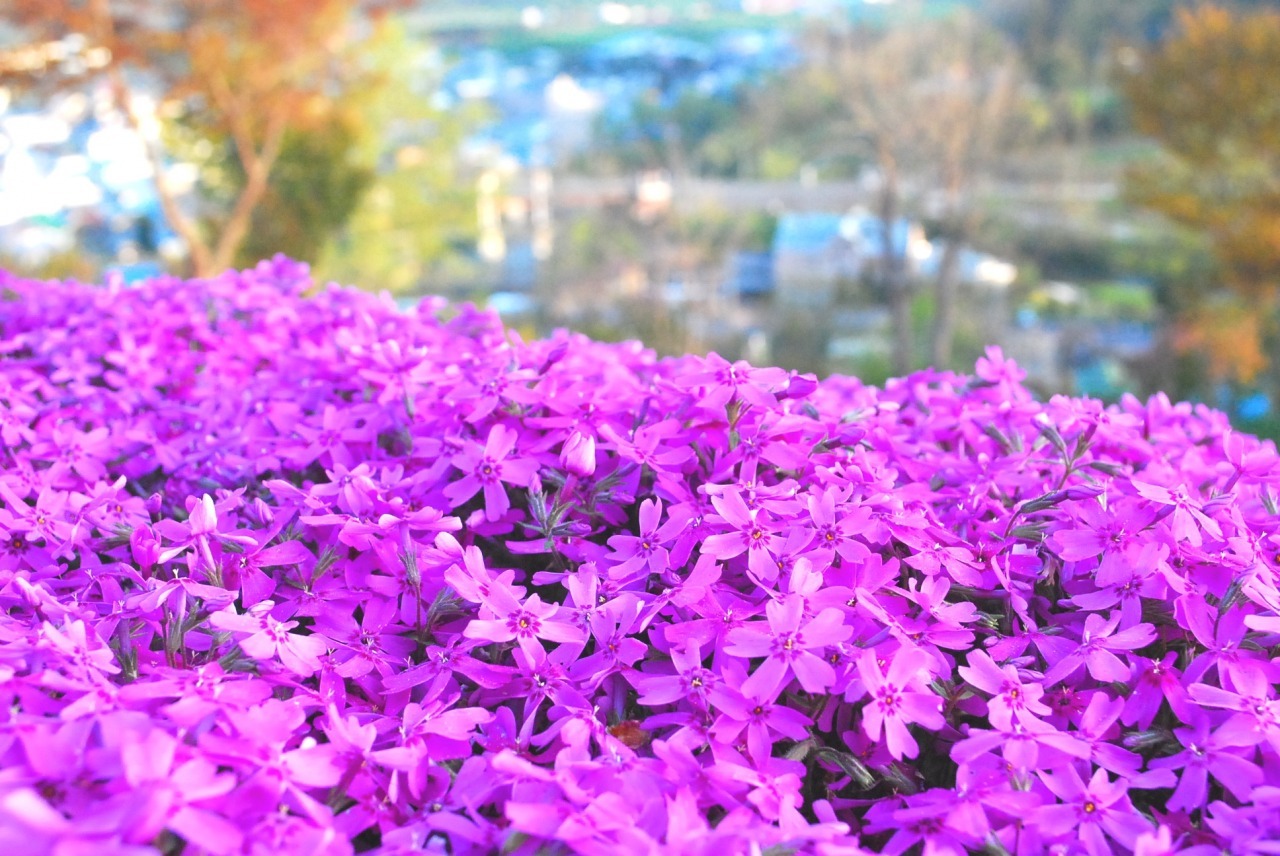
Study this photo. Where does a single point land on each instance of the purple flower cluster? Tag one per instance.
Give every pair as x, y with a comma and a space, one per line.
294, 573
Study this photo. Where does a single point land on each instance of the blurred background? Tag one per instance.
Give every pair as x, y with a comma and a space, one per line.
855, 186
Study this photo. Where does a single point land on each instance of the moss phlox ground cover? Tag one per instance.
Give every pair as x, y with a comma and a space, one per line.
287, 570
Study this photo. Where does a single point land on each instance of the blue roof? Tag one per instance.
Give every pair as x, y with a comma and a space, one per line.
806, 232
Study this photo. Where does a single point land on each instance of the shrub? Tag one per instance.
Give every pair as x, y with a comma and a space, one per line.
299, 574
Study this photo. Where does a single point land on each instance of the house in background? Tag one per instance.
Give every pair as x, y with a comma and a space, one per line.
821, 258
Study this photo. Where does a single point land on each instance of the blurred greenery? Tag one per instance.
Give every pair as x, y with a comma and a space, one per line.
417, 212
316, 185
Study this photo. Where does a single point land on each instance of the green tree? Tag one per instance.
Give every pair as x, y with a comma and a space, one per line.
417, 215
315, 187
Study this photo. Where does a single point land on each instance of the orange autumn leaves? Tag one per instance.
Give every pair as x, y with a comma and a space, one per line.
1210, 96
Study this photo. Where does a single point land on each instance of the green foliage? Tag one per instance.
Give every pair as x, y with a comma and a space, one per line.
315, 186
418, 215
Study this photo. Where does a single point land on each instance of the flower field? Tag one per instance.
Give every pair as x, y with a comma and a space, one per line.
291, 573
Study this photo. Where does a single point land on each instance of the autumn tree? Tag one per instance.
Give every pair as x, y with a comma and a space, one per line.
1210, 96
252, 73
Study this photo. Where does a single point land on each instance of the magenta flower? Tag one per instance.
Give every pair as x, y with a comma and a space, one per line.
524, 622
178, 795
646, 551
1024, 745
759, 716
686, 680
750, 535
487, 469
1099, 643
788, 646
1011, 698
1098, 812
264, 638
895, 701
1208, 753
1256, 712
285, 574
724, 381
1096, 530
837, 525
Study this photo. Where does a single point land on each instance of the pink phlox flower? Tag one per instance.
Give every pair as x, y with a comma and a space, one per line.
470, 578
29, 826
836, 525
1024, 745
934, 552
526, 622
109, 507
542, 676
590, 592
1188, 520
330, 443
399, 371
1221, 633
751, 533
258, 742
1225, 754
714, 615
1124, 578
178, 795
792, 547
173, 596
645, 551
759, 715
246, 570
504, 385
896, 700
722, 382
1099, 642
997, 369
1251, 829
1097, 529
683, 592
81, 647
1098, 812
1249, 692
1155, 683
616, 650
1011, 698
932, 819
264, 638
1098, 728
379, 642
652, 447
354, 488
791, 646
441, 730
685, 679
487, 468
71, 450
46, 520
713, 780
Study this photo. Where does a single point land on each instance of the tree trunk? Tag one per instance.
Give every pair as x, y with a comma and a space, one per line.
105, 34
893, 274
944, 309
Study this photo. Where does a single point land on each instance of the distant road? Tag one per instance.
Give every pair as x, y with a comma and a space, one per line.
691, 194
